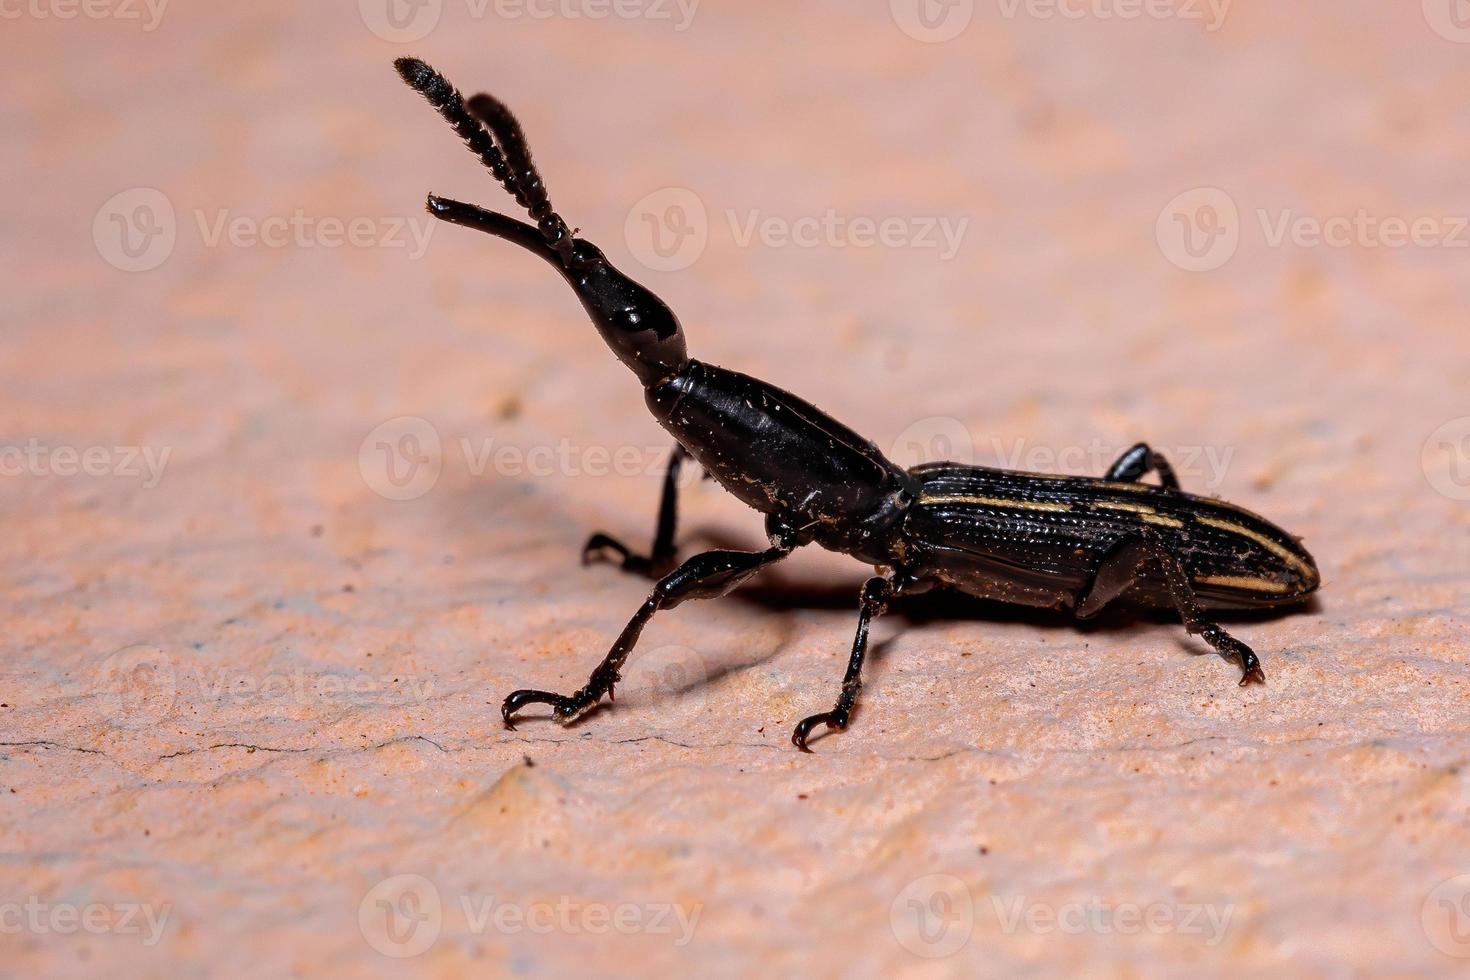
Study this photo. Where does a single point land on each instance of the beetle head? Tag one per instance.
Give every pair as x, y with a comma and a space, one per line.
641, 330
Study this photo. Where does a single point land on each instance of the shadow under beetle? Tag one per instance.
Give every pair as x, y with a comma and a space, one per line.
1059, 542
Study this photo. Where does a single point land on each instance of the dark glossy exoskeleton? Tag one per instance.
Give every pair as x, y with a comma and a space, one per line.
1060, 542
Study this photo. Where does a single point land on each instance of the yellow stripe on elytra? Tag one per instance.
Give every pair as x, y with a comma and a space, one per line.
997, 502
1241, 582
1145, 512
1274, 547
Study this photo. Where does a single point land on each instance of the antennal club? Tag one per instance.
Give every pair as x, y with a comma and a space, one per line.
509, 162
637, 325
530, 189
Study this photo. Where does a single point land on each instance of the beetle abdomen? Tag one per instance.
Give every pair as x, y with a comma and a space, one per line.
1039, 539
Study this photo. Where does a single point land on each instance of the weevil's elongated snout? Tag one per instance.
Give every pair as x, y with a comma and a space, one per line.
639, 327
636, 324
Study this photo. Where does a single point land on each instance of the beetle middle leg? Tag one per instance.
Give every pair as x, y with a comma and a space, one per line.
876, 593
1140, 461
661, 555
1124, 566
705, 576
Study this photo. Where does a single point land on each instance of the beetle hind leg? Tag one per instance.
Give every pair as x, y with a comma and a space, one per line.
1125, 565
1176, 579
1139, 462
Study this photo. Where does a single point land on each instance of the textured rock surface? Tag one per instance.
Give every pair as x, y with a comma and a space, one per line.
242, 692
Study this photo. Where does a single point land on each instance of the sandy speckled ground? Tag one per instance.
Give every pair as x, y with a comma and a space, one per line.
292, 486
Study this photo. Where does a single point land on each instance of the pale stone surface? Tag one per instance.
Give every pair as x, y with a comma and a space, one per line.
314, 668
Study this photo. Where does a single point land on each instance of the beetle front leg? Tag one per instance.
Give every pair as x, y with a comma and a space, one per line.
876, 593
1138, 462
661, 556
705, 576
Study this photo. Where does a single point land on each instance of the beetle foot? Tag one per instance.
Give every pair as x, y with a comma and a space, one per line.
1250, 670
1231, 648
834, 719
564, 709
1250, 664
598, 546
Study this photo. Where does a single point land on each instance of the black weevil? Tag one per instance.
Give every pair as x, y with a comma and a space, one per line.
1059, 542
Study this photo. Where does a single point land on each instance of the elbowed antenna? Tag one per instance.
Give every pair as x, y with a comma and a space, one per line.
637, 325
519, 177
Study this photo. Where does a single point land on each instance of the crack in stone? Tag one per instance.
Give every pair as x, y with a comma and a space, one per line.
592, 739
267, 748
227, 745
407, 738
47, 743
